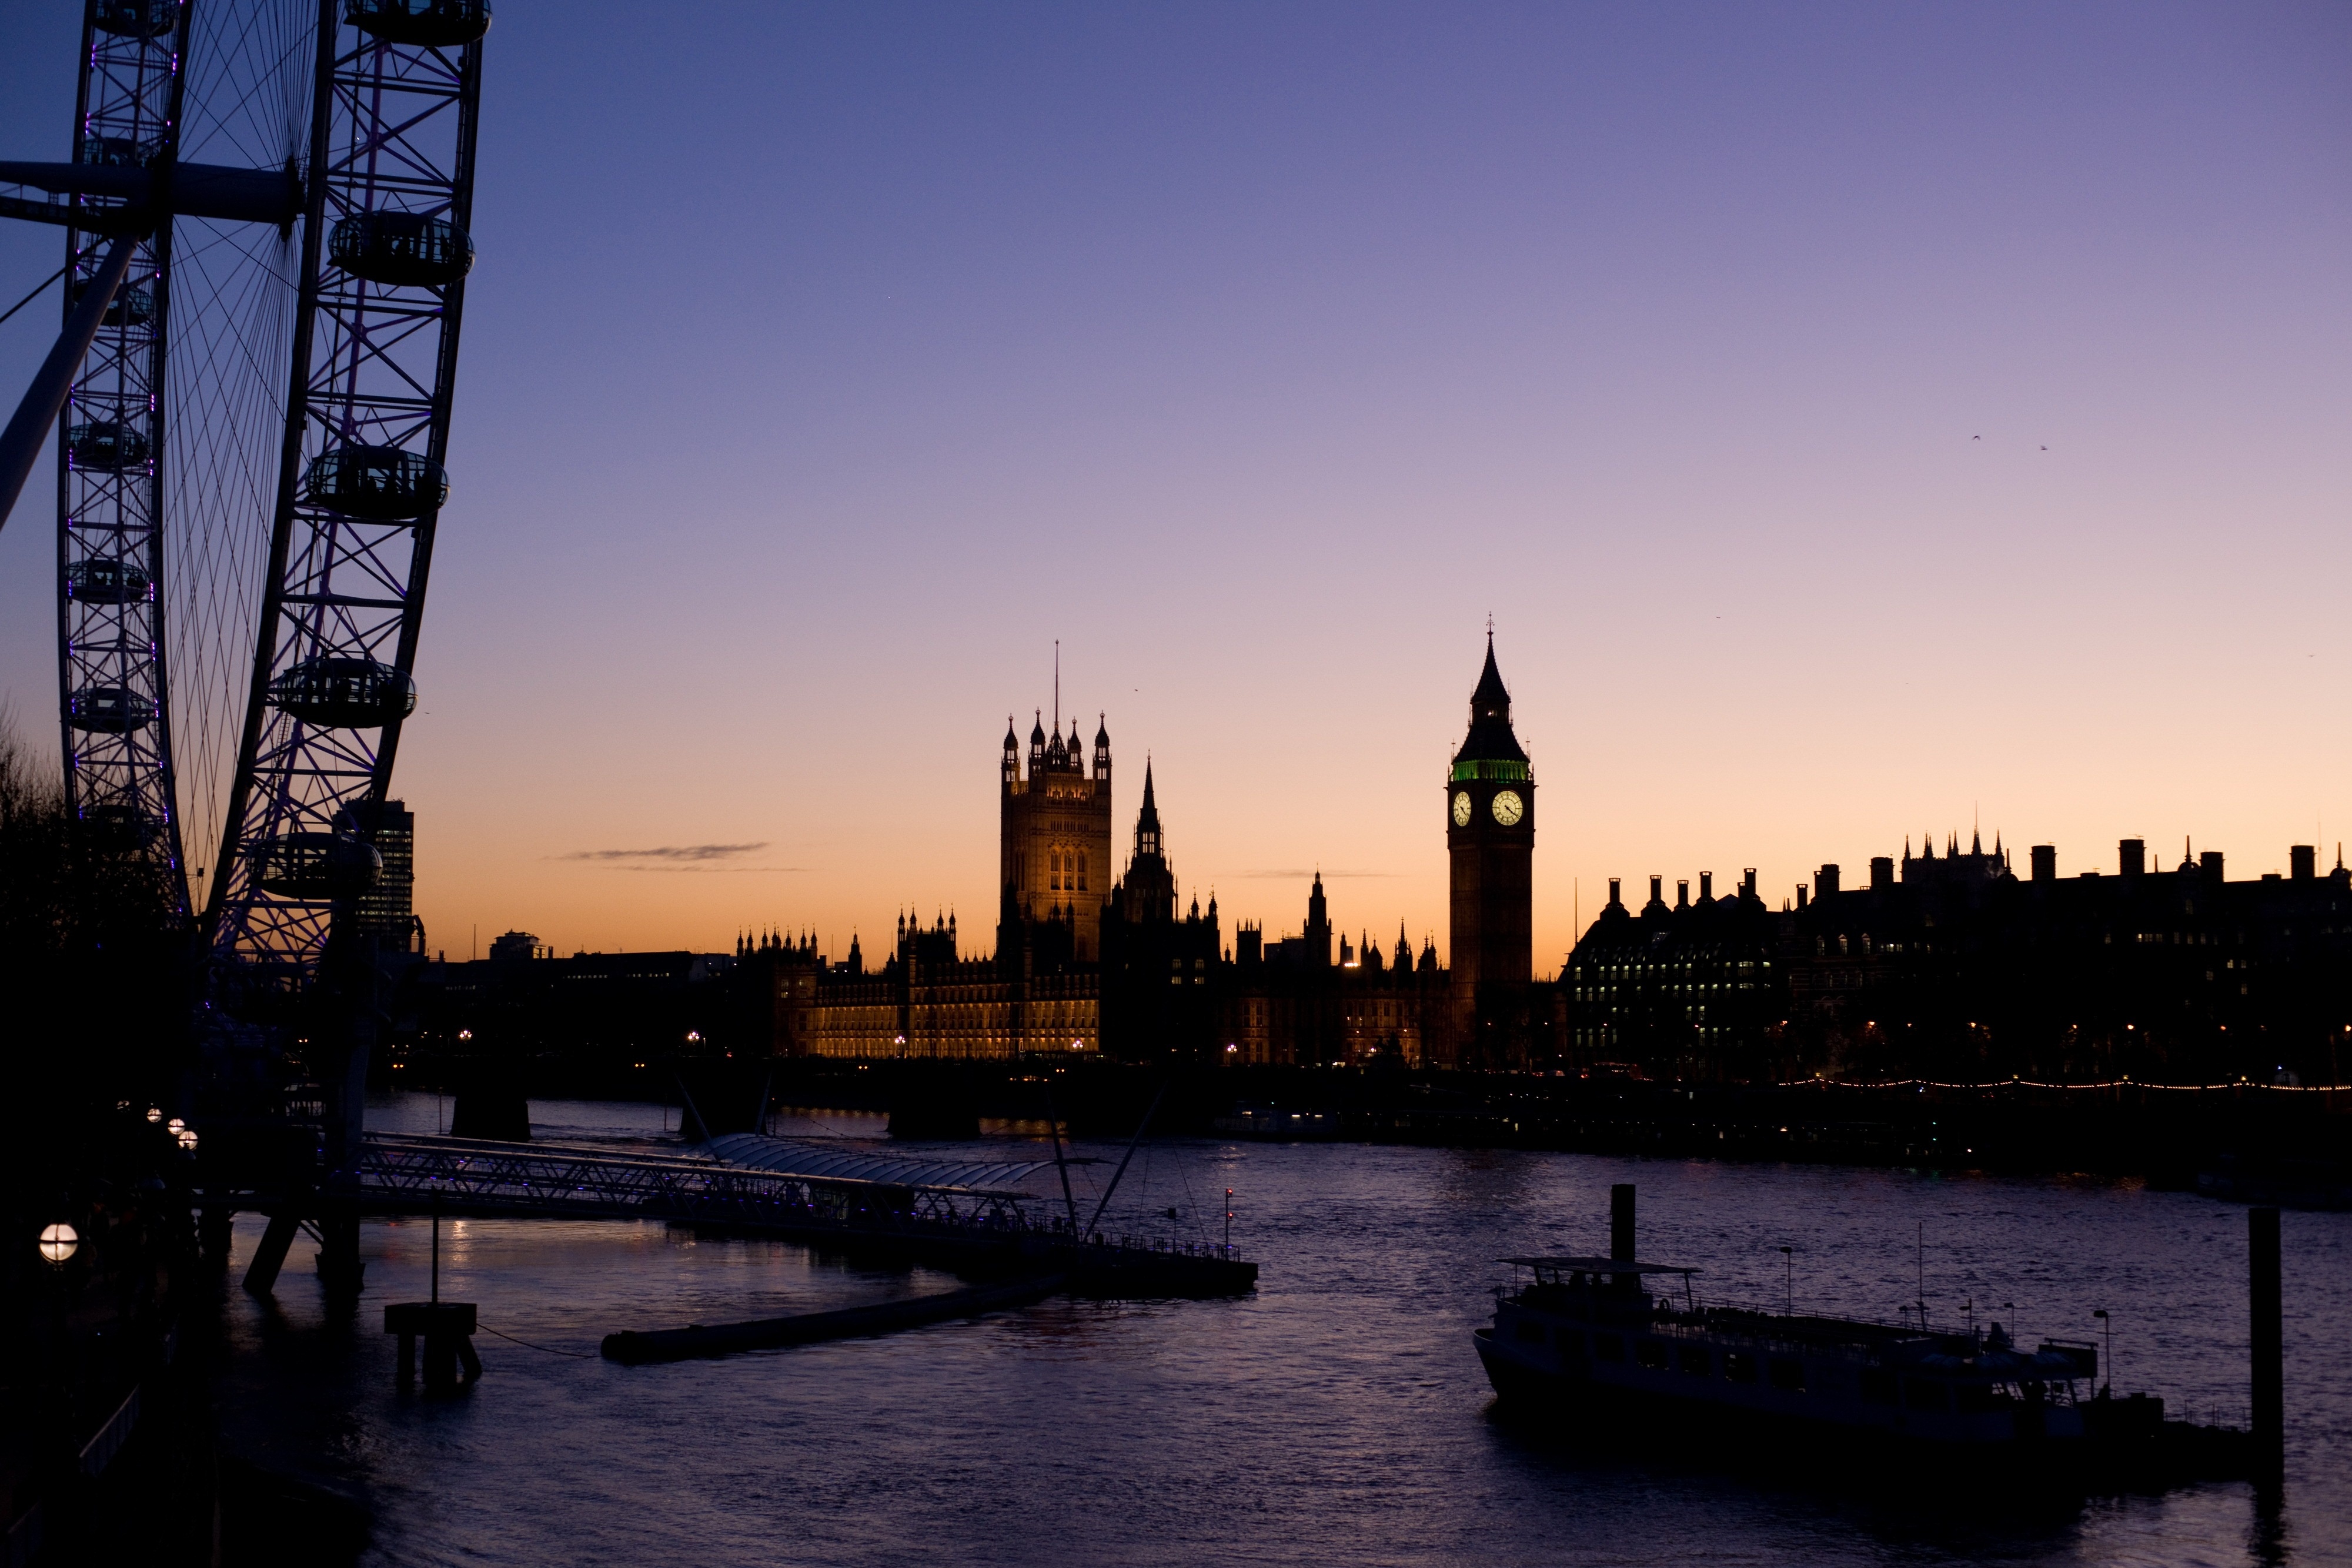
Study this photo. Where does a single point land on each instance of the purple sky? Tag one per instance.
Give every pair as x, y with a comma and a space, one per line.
824, 365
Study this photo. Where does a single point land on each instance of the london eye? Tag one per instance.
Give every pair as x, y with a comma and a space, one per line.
267, 213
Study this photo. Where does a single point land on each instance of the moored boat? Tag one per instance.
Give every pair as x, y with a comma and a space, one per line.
1593, 1344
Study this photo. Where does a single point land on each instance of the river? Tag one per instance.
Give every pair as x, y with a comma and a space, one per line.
1337, 1416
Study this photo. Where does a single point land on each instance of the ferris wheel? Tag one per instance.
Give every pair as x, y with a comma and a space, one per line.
267, 217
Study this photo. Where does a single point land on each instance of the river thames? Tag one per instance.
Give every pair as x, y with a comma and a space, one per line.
1337, 1415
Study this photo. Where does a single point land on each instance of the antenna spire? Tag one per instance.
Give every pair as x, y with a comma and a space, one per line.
1057, 686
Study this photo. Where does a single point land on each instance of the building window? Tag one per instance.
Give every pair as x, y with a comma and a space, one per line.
1081, 870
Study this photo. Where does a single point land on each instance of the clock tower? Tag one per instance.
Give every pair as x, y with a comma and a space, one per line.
1490, 838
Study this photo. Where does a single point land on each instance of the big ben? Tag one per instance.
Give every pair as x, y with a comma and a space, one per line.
1490, 838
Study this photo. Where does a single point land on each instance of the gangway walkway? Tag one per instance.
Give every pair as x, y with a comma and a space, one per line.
980, 1225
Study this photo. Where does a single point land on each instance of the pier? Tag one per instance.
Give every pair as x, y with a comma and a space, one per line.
969, 1228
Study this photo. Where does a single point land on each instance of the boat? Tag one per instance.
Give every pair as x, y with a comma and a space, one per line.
1593, 1345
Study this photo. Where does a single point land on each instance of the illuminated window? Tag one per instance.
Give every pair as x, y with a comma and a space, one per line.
1081, 870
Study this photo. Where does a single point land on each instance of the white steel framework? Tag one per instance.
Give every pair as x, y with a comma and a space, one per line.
113, 696
360, 481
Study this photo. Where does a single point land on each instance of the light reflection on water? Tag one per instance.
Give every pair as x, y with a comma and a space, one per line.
1337, 1416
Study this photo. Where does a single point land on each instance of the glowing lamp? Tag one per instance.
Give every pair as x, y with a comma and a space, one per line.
59, 1242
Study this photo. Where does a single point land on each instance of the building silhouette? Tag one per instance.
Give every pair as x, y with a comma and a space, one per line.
1690, 991
1162, 976
1090, 963
1949, 966
386, 910
1490, 829
1295, 1001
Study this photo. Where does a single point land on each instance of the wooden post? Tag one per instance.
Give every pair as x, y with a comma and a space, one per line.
1621, 1222
2266, 1307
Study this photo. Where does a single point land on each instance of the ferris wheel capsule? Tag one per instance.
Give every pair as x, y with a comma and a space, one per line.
315, 865
342, 692
435, 23
401, 249
111, 710
129, 307
102, 580
106, 445
117, 826
121, 152
380, 483
136, 18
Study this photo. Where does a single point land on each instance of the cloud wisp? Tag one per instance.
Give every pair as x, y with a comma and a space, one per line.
672, 852
678, 857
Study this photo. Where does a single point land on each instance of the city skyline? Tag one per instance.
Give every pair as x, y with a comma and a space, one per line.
1859, 425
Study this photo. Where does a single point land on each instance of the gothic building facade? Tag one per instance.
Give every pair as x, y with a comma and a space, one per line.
1296, 1002
1490, 834
1053, 861
1161, 975
1088, 960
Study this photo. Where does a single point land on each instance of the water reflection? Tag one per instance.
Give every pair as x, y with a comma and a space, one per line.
1337, 1416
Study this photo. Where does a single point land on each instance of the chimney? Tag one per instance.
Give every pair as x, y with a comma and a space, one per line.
2208, 865
1800, 896
2046, 863
1706, 887
1682, 895
1882, 873
1612, 893
2133, 852
1826, 881
2303, 862
1655, 883
1748, 884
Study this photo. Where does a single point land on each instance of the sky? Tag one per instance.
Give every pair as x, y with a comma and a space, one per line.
1859, 421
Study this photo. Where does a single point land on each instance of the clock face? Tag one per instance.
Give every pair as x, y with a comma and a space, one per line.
1509, 808
1462, 808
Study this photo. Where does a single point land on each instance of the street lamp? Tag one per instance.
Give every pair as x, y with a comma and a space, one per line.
188, 1139
175, 1126
58, 1242
154, 1113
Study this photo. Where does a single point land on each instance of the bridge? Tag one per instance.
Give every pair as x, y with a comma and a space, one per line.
982, 1225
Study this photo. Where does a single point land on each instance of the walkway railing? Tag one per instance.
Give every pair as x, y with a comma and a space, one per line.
546, 1179
413, 1175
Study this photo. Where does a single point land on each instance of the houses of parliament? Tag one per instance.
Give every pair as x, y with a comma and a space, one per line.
1085, 960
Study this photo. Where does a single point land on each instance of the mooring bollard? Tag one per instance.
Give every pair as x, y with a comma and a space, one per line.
448, 1330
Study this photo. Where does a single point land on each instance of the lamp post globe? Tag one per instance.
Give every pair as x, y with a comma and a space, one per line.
59, 1242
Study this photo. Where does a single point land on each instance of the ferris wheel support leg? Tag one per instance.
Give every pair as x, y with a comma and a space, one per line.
28, 430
